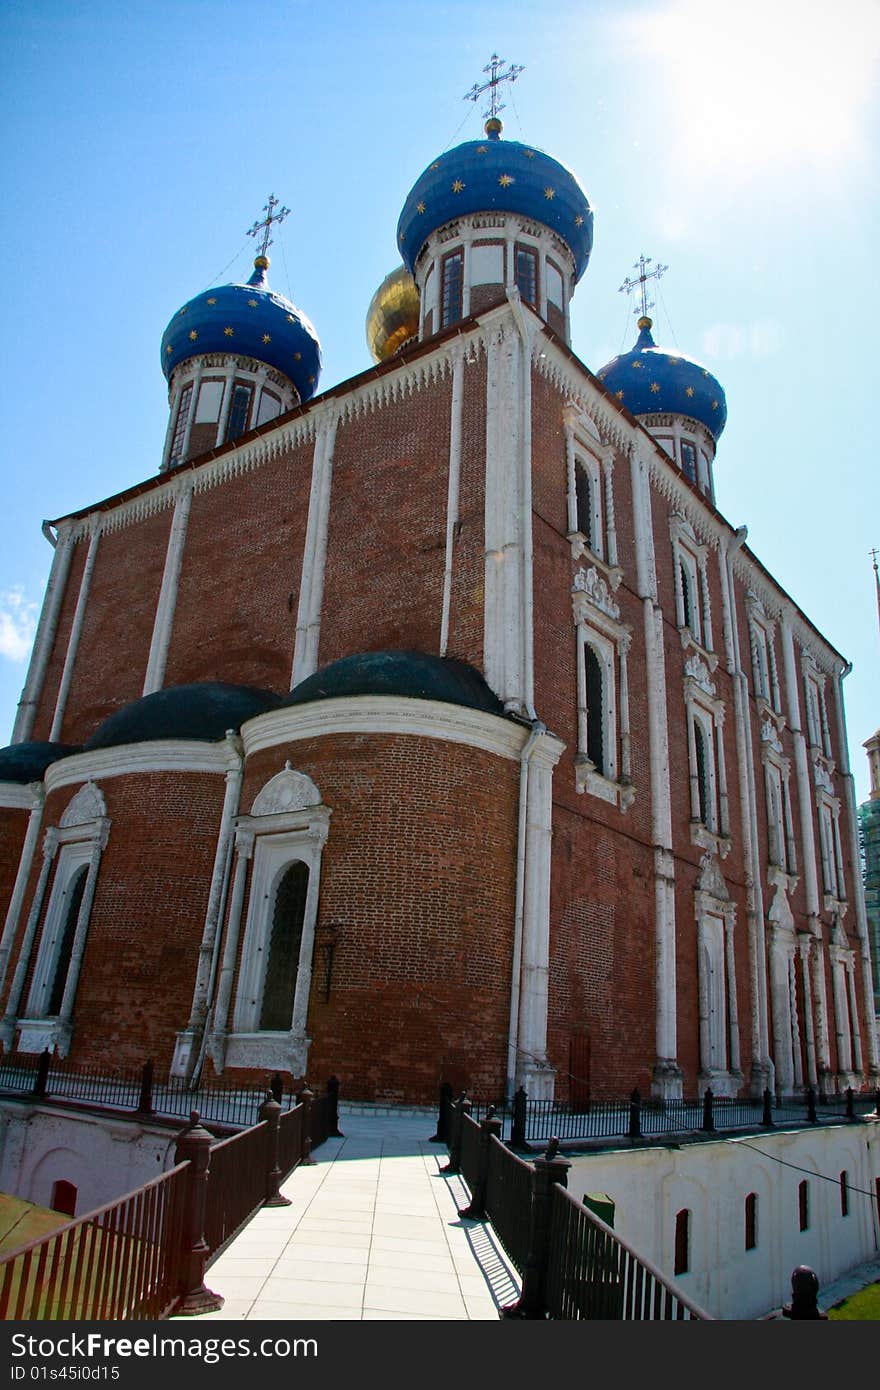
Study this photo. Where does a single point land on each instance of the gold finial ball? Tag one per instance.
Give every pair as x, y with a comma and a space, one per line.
645, 322
261, 263
393, 315
493, 126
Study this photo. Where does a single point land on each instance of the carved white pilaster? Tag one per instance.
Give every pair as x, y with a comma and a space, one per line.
75, 631
45, 636
452, 492
805, 944
164, 619
13, 1003
311, 592
26, 858
503, 636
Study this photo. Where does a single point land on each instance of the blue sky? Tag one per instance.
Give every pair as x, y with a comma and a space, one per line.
735, 143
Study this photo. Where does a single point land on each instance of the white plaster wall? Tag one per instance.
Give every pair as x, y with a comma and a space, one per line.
103, 1158
649, 1186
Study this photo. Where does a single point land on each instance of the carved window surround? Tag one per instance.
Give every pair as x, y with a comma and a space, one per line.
765, 672
287, 824
584, 449
720, 1065
834, 888
691, 557
706, 711
782, 853
598, 625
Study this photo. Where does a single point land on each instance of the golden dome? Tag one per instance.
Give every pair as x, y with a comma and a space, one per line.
393, 315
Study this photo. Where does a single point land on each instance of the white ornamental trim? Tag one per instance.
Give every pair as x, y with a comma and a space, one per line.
20, 796
390, 714
164, 755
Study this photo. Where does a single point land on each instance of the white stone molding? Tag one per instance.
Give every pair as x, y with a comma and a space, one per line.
10, 1020
288, 790
131, 759
703, 710
820, 1005
533, 1069
386, 714
164, 620
783, 1004
452, 492
20, 796
807, 943
667, 1080
593, 586
87, 805
597, 626
75, 630
765, 672
762, 1069
311, 593
504, 638
45, 635
715, 916
840, 960
781, 849
25, 861
690, 556
244, 849
584, 450
802, 777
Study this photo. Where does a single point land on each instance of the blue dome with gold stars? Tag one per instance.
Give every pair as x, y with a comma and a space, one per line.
250, 320
652, 380
490, 174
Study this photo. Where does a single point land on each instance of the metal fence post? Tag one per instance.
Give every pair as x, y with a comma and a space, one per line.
194, 1146
804, 1295
708, 1117
276, 1086
441, 1135
767, 1116
546, 1171
270, 1111
518, 1123
145, 1100
42, 1077
476, 1208
811, 1106
459, 1108
850, 1107
635, 1116
306, 1097
333, 1130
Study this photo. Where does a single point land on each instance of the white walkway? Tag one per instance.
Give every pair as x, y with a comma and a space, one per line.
373, 1232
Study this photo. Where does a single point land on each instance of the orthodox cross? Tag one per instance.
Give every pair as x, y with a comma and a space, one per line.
641, 281
874, 554
495, 79
264, 228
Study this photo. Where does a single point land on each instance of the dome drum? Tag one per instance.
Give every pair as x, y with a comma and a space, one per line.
468, 265
216, 398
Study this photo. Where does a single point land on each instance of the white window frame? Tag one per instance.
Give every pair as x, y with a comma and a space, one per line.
689, 554
833, 882
598, 625
703, 708
781, 845
584, 449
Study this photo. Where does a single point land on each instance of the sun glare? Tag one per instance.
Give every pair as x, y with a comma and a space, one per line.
763, 82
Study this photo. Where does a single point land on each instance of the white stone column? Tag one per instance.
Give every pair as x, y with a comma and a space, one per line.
704, 998
165, 607
795, 1030
193, 407
76, 630
780, 996
854, 1012
244, 849
26, 859
842, 1026
452, 490
13, 1003
503, 640
820, 1004
805, 942
533, 1069
723, 804
213, 913
625, 737
735, 1060
610, 523
226, 405
667, 1076
311, 593
45, 635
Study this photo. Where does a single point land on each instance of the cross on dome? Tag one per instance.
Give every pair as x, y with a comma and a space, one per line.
640, 281
495, 79
264, 228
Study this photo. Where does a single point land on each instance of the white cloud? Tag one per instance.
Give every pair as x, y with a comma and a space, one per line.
727, 340
18, 623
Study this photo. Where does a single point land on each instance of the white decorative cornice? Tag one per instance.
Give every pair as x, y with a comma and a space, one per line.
770, 737
590, 583
695, 669
18, 796
391, 714
164, 755
286, 791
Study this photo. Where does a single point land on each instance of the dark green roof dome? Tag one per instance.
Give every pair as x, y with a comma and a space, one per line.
27, 762
203, 711
413, 675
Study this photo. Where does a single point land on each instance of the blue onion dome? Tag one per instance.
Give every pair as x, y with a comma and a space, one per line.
202, 711
651, 380
411, 675
249, 320
503, 175
27, 762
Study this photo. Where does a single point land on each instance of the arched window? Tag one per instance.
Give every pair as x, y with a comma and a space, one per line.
687, 599
75, 891
595, 710
804, 1205
452, 288
752, 1221
279, 985
682, 1242
844, 1193
584, 503
703, 784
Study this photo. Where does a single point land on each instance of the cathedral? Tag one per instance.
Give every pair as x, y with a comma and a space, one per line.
435, 726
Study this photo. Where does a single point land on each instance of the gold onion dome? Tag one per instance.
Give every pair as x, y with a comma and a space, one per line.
393, 315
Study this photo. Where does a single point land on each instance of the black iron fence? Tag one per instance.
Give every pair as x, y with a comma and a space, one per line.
525, 1121
138, 1091
572, 1265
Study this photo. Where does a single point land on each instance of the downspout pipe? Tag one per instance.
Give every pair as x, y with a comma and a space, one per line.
537, 731
528, 550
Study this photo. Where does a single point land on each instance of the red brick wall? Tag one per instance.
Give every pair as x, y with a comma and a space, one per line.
55, 664
418, 875
13, 828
